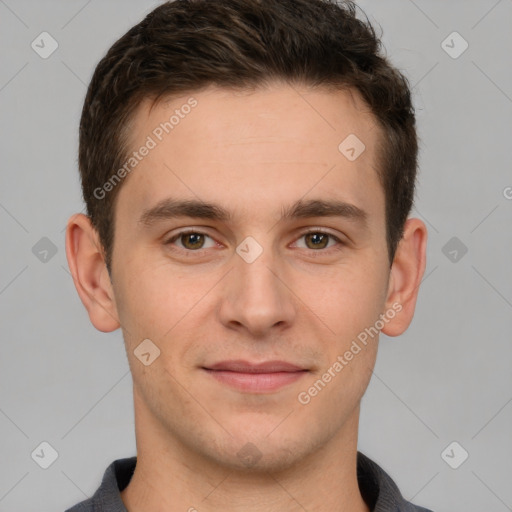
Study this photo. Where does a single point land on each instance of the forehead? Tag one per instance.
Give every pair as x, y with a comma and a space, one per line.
255, 148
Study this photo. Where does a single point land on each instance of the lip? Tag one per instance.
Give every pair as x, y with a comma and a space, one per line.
241, 366
263, 377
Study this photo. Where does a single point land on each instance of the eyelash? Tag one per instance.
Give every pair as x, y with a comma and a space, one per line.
199, 251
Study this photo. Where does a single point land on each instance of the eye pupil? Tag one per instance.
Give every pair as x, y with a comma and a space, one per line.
196, 240
317, 239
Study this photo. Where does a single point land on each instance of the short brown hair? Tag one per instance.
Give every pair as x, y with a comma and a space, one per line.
185, 45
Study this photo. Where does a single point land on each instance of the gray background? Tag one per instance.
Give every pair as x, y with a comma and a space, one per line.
447, 379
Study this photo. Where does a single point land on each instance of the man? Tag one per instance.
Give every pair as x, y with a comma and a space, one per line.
248, 168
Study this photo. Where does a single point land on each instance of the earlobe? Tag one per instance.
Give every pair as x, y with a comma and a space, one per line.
89, 271
406, 275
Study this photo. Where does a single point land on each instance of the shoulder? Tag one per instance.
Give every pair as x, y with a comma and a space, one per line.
379, 490
107, 497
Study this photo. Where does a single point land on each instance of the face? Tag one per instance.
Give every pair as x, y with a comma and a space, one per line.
282, 260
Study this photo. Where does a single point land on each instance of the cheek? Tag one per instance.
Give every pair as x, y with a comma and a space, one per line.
145, 303
350, 308
348, 300
154, 299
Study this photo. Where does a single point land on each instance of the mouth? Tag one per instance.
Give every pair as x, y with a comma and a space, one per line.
263, 377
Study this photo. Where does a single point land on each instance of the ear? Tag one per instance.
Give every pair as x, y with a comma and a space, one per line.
87, 264
405, 277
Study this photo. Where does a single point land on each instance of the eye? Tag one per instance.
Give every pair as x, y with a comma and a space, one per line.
194, 241
318, 239
190, 240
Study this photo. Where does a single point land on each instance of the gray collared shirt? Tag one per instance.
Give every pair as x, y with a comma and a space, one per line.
376, 486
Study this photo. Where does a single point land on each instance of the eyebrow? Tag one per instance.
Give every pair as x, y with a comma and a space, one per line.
171, 208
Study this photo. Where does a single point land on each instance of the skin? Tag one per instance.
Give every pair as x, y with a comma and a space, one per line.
252, 152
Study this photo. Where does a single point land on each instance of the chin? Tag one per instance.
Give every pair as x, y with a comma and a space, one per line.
262, 451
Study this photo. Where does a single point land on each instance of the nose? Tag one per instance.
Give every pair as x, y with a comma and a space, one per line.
257, 296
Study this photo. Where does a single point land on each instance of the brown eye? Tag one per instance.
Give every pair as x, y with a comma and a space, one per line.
192, 240
317, 240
